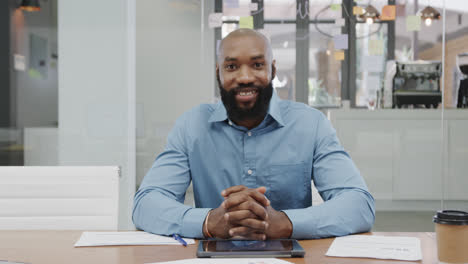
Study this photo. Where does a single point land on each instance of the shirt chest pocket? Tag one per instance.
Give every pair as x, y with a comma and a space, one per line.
288, 186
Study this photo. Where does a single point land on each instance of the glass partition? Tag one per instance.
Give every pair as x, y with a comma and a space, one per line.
66, 88
393, 87
331, 57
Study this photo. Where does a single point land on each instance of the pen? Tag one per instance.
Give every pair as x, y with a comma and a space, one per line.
181, 240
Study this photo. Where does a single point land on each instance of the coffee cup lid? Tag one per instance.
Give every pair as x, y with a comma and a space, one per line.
451, 217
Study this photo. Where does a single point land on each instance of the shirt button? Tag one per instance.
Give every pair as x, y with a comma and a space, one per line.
249, 133
249, 172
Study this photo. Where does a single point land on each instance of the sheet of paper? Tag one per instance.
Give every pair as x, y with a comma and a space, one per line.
357, 10
376, 47
246, 22
339, 55
341, 41
215, 20
335, 7
20, 62
92, 239
379, 247
226, 261
231, 3
253, 6
413, 23
388, 12
400, 10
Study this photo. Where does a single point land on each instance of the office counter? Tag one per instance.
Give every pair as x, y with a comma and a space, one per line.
56, 247
402, 154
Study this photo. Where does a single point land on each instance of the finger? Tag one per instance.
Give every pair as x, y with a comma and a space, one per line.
236, 199
261, 189
259, 197
253, 207
246, 218
243, 196
233, 189
253, 236
246, 232
257, 193
236, 216
255, 224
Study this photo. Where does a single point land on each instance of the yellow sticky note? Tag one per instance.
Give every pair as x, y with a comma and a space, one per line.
339, 55
388, 12
246, 22
376, 47
413, 23
357, 10
335, 7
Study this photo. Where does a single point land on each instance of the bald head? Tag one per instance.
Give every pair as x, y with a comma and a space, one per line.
245, 33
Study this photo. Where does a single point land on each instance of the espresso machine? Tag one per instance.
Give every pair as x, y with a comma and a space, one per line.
417, 83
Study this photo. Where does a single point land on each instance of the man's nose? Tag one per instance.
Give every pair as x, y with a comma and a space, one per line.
245, 75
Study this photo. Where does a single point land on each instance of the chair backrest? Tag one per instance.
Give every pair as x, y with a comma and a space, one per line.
59, 197
316, 198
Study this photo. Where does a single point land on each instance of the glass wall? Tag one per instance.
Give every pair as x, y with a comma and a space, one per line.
107, 91
66, 87
389, 57
29, 100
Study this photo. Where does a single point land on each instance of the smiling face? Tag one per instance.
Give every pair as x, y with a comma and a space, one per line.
245, 70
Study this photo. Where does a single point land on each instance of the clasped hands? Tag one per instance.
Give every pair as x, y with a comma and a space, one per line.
247, 214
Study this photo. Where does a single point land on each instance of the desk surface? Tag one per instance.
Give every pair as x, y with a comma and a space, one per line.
56, 247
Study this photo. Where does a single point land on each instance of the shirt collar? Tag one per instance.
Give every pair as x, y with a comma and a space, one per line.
274, 111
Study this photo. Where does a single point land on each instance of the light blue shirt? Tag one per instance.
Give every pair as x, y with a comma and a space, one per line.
292, 146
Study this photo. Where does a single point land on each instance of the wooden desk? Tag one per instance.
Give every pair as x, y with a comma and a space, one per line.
56, 247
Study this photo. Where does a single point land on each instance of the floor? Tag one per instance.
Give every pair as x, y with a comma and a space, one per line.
403, 222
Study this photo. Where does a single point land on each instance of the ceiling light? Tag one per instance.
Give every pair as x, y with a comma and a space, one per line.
428, 14
370, 15
428, 21
30, 5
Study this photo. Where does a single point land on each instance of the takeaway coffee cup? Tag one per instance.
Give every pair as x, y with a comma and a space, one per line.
452, 236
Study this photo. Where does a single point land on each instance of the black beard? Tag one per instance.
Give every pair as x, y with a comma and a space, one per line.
258, 111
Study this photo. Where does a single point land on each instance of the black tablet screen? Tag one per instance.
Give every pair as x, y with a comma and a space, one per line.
247, 245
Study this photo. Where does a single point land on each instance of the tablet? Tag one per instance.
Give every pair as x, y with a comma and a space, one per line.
281, 248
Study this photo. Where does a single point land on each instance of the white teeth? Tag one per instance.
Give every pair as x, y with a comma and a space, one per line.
245, 93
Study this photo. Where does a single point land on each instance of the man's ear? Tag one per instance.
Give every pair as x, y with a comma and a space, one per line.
273, 70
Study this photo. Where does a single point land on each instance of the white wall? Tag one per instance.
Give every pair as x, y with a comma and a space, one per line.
95, 95
175, 69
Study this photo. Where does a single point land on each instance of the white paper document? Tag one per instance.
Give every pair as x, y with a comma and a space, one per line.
93, 239
227, 261
215, 20
379, 247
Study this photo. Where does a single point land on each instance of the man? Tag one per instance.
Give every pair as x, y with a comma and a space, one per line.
251, 159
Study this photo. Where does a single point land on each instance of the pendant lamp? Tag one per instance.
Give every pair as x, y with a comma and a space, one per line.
30, 5
428, 14
370, 15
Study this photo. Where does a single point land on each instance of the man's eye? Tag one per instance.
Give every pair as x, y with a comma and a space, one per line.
230, 67
258, 65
